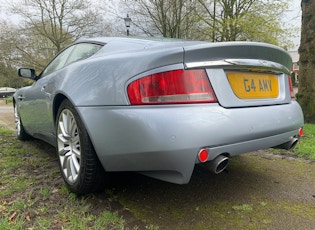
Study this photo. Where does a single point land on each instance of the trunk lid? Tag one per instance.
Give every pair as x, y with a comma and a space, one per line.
243, 73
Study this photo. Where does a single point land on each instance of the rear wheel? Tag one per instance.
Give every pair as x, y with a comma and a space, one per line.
79, 165
20, 131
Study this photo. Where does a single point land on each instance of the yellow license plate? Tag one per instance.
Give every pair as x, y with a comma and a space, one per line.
254, 85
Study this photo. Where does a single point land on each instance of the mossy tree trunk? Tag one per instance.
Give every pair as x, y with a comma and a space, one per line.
306, 95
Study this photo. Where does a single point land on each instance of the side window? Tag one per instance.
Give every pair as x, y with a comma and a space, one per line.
82, 51
58, 62
72, 54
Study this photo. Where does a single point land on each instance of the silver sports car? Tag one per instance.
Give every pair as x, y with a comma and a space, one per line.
158, 107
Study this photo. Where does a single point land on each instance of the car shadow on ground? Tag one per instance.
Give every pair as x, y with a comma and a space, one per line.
239, 181
241, 177
255, 183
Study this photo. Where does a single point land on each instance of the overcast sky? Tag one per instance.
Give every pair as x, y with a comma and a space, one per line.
294, 18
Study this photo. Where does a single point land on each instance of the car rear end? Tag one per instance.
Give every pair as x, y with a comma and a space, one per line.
252, 75
250, 80
223, 100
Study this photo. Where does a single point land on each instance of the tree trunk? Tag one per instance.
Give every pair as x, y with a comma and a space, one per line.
306, 95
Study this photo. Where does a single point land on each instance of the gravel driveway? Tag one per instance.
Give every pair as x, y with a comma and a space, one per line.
6, 115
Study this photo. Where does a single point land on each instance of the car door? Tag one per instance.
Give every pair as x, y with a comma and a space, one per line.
35, 102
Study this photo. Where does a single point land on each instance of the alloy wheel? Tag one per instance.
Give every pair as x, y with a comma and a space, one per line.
17, 121
69, 150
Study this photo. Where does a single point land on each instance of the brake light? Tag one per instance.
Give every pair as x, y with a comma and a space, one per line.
172, 87
291, 87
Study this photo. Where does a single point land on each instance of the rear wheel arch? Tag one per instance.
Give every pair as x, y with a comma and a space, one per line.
59, 98
73, 139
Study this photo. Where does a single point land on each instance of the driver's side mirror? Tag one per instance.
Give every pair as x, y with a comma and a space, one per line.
27, 73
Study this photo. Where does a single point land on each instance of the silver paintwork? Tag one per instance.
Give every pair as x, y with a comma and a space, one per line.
241, 64
163, 141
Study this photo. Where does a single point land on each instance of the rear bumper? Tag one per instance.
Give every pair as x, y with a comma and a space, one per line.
163, 141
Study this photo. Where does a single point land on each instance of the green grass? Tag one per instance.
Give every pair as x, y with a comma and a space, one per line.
244, 208
33, 196
7, 100
306, 146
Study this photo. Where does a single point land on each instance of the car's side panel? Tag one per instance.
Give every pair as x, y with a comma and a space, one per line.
34, 107
102, 81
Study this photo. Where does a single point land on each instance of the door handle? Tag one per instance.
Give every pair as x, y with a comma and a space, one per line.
43, 88
20, 97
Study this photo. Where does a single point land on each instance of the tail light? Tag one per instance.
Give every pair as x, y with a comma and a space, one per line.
172, 87
291, 87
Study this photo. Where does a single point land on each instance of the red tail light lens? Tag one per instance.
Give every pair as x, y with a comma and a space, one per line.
172, 87
291, 87
203, 155
301, 132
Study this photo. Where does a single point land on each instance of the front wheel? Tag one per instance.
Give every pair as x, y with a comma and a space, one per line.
20, 131
79, 165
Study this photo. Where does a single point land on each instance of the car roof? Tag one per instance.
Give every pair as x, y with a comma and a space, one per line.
141, 41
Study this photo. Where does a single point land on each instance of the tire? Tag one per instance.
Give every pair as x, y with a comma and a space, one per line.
20, 131
79, 165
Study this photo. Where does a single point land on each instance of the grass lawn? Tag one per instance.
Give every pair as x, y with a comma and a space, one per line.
30, 199
305, 147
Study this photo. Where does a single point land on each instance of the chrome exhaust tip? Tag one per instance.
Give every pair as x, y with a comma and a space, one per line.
217, 165
288, 145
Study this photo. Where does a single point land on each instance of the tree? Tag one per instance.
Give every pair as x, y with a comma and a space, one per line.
223, 17
9, 77
49, 26
9, 56
61, 22
167, 18
306, 95
244, 20
34, 50
212, 20
8, 38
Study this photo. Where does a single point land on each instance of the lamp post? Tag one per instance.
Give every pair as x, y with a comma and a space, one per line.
127, 23
214, 21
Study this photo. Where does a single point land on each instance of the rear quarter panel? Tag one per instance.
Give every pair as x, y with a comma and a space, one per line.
102, 80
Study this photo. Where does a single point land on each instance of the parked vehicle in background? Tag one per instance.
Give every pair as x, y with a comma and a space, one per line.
158, 106
6, 92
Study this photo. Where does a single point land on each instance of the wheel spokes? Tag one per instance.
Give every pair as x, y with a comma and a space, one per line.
17, 121
63, 125
69, 145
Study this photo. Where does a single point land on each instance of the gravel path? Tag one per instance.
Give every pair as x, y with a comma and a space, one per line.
6, 115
